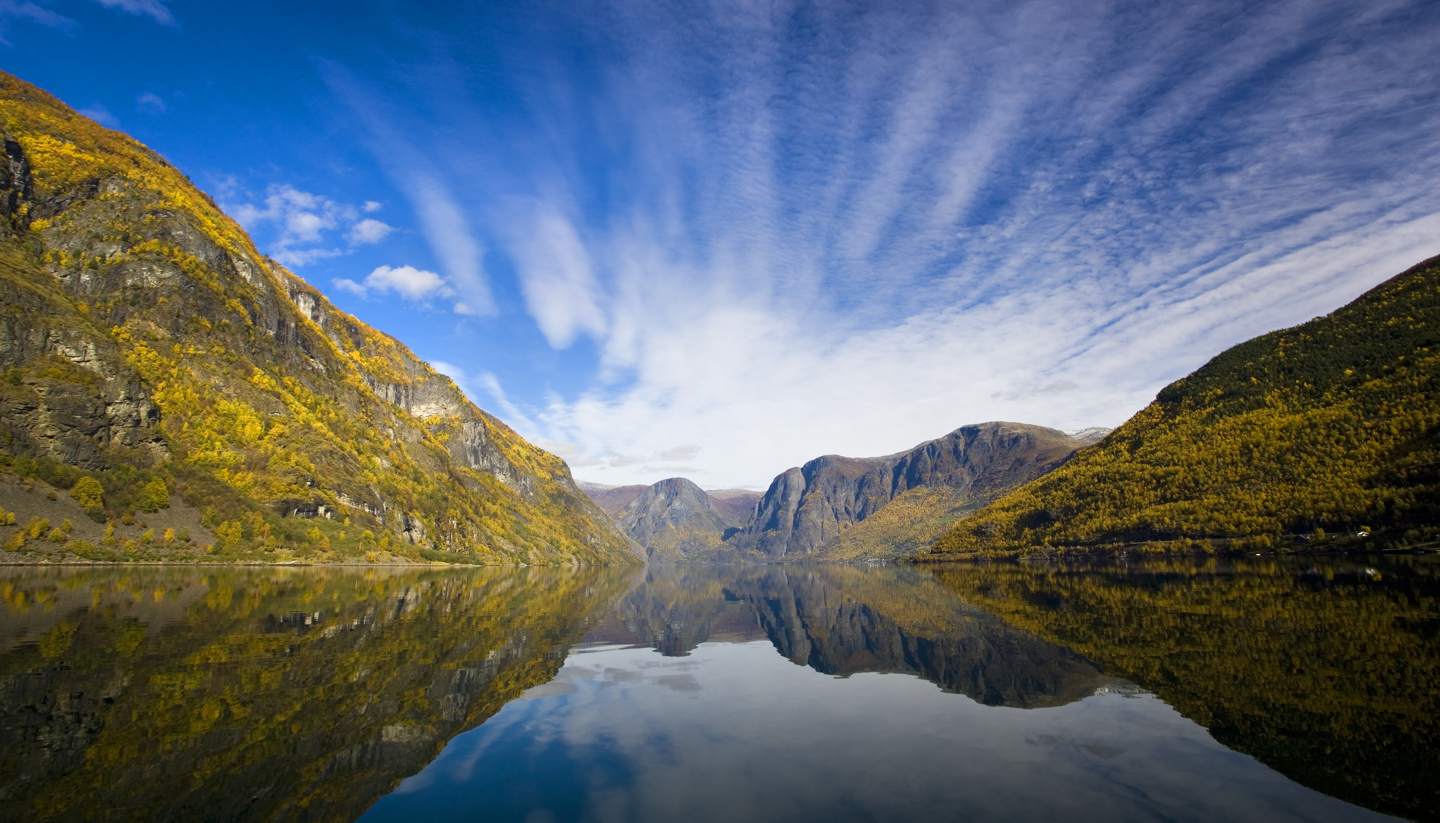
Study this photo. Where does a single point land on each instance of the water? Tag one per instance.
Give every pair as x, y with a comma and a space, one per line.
1191, 690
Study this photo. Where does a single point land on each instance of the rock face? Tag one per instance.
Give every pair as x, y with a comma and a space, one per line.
805, 510
141, 332
673, 519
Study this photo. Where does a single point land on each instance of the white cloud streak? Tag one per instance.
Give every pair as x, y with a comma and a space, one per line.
26, 12
827, 231
151, 103
443, 222
153, 9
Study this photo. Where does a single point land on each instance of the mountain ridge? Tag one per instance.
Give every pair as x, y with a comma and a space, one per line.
146, 343
807, 508
1327, 427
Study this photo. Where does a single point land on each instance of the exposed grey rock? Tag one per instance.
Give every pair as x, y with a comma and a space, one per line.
805, 508
673, 518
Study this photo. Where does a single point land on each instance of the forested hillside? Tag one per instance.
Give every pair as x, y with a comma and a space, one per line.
152, 357
1308, 435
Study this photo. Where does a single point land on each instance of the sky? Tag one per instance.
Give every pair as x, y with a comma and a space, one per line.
716, 240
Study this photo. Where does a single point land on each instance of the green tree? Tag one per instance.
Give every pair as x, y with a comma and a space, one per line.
154, 496
88, 492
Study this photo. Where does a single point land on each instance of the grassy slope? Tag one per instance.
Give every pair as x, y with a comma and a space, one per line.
907, 524
1330, 425
249, 421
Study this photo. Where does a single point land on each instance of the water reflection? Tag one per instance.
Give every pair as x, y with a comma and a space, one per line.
762, 692
652, 719
844, 620
1324, 669
163, 694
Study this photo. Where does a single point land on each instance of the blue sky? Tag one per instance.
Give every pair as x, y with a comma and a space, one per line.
718, 239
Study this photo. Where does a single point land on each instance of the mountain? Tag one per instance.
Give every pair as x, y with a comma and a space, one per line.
809, 510
1329, 427
735, 506
154, 362
673, 519
612, 499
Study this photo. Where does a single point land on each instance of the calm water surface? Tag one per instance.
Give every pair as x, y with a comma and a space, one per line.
1191, 690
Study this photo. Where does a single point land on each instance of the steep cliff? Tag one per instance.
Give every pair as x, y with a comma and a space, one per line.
808, 510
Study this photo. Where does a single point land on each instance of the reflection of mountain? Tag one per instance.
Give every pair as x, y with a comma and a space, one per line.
845, 620
676, 609
1326, 674
185, 695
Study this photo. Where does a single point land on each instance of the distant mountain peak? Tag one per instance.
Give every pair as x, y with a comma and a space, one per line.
807, 508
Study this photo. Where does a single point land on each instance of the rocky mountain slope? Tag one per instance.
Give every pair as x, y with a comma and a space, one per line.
673, 519
150, 354
1331, 427
808, 510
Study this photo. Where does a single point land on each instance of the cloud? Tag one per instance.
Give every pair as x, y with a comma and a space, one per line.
302, 225
443, 222
153, 9
445, 228
369, 231
19, 10
802, 239
371, 206
151, 103
406, 282
484, 390
295, 258
557, 279
101, 115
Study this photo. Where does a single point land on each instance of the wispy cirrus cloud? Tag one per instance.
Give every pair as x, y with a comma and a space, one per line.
23, 11
154, 9
100, 114
849, 229
151, 103
443, 221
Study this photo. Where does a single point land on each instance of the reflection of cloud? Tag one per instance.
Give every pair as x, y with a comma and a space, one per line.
679, 682
743, 734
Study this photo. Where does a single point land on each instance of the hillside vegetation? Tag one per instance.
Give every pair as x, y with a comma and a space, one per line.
1329, 428
149, 353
